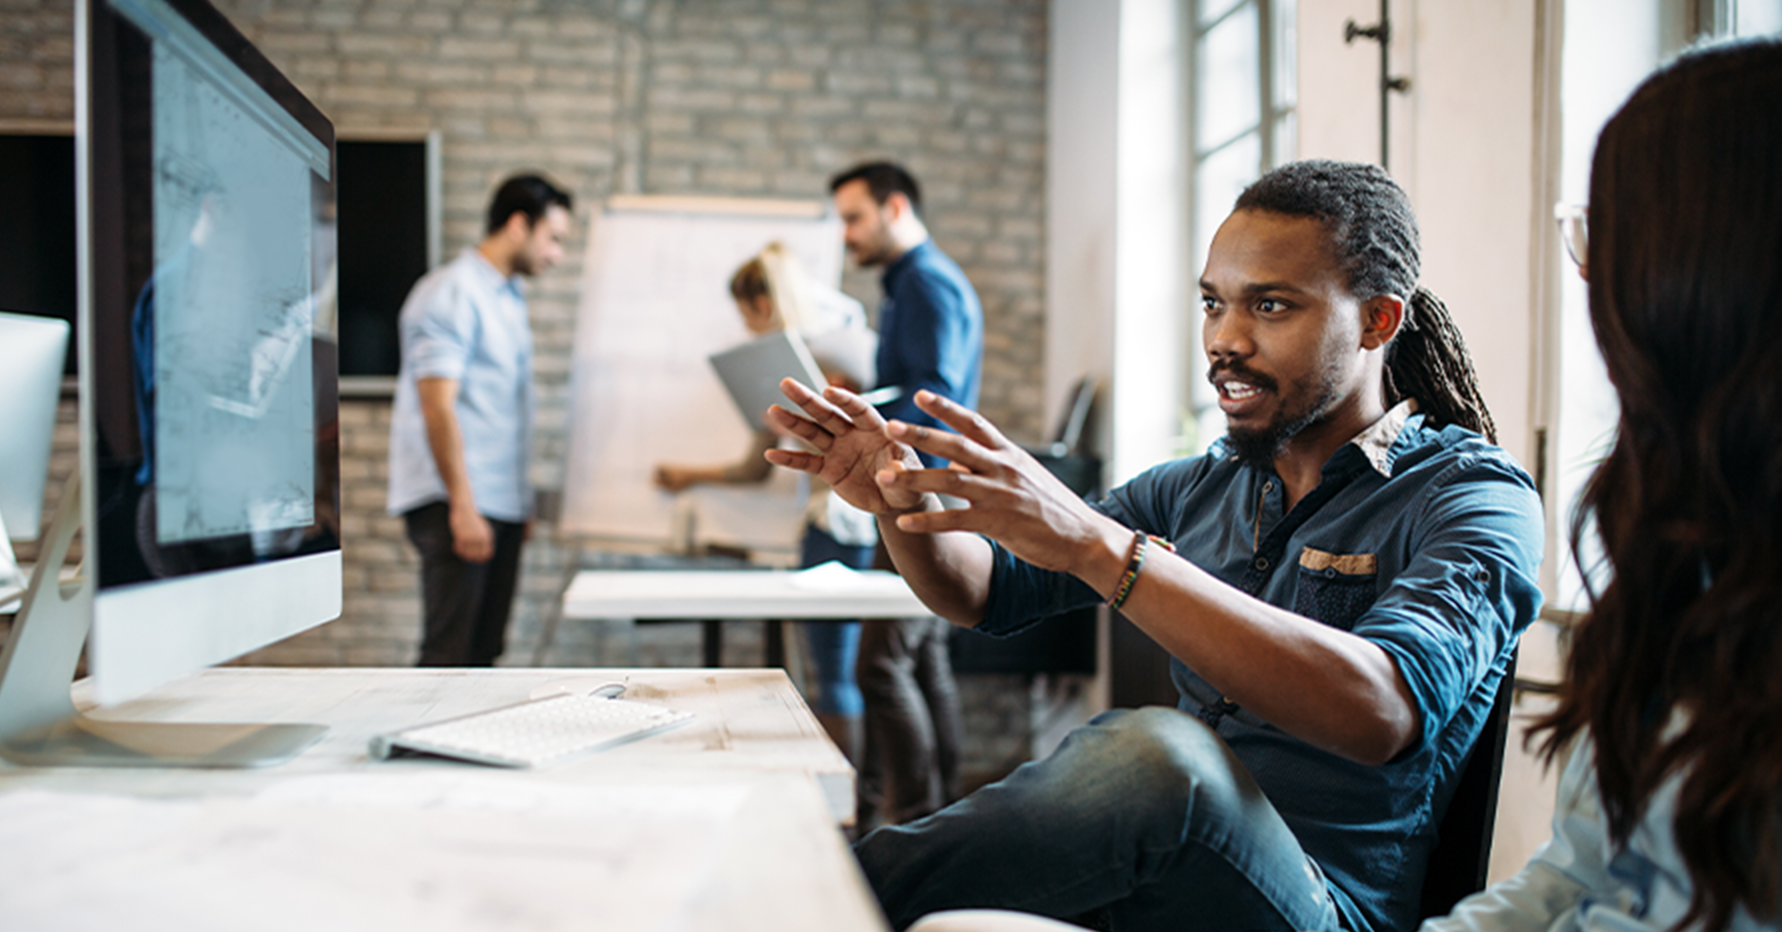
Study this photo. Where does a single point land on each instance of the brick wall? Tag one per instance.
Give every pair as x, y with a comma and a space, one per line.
711, 97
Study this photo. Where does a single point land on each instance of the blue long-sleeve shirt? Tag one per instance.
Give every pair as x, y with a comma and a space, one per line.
931, 334
1429, 550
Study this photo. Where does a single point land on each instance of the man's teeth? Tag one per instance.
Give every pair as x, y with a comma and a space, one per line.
1239, 391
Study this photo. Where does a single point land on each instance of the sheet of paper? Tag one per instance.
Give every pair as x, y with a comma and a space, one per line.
836, 577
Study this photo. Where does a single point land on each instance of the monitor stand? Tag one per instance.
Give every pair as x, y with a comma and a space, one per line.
39, 725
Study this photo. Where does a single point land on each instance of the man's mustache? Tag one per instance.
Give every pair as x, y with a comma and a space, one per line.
1242, 373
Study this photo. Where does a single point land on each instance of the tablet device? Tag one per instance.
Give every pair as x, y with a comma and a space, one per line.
752, 373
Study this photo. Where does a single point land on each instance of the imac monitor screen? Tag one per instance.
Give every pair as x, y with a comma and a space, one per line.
214, 448
210, 456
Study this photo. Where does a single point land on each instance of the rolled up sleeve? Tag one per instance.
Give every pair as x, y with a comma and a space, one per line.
1468, 589
437, 333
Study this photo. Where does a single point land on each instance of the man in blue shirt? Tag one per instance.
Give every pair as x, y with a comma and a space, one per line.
1353, 564
461, 426
931, 338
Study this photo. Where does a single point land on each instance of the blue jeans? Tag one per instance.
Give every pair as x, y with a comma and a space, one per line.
833, 645
1143, 813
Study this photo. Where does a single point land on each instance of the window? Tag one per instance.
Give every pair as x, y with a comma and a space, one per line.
1242, 124
389, 237
1610, 47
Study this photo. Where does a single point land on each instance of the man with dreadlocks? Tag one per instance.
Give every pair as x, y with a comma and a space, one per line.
1351, 567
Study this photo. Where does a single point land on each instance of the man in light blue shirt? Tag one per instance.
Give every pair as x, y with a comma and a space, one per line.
461, 428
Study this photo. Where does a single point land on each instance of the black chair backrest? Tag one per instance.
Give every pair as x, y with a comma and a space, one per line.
1462, 854
1076, 414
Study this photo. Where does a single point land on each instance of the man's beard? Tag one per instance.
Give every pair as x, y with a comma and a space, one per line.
874, 254
1259, 448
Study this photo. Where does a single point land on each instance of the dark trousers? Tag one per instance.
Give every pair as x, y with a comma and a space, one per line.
465, 606
913, 720
1143, 819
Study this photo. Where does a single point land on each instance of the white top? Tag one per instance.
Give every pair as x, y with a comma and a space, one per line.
1580, 882
465, 321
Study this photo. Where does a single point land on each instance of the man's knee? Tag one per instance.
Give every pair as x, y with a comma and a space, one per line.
1173, 763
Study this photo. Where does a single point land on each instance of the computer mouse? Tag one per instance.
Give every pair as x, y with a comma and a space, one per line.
583, 686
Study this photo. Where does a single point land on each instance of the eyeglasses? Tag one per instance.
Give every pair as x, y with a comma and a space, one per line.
1572, 229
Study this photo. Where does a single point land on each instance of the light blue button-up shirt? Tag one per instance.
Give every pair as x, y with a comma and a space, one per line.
1583, 880
467, 322
1429, 548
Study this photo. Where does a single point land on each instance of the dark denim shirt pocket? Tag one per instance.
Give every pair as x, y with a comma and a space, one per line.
1335, 588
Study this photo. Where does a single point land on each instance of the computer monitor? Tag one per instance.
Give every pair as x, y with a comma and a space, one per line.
31, 352
208, 486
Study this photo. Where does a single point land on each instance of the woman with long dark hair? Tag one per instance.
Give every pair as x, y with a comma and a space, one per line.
1671, 704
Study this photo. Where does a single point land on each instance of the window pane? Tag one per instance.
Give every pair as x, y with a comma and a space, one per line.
1227, 98
1283, 15
1286, 140
1218, 180
1757, 17
1210, 10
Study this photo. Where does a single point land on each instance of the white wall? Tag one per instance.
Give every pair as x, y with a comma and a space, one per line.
1116, 269
1151, 266
1462, 147
1081, 93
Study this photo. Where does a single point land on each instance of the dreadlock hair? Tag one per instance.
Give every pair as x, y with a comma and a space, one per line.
1374, 237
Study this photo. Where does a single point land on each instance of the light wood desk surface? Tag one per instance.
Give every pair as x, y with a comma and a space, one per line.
751, 785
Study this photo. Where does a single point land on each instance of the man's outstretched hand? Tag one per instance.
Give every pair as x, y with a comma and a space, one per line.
873, 465
1014, 500
852, 447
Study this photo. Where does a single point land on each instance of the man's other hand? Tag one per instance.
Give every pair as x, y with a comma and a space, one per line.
1013, 499
672, 478
851, 444
473, 540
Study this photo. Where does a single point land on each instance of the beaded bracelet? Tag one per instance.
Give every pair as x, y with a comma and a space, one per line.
1136, 559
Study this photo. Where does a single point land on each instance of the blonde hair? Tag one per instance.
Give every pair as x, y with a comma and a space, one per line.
801, 304
776, 274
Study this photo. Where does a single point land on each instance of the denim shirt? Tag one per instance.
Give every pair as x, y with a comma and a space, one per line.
467, 322
931, 334
1429, 547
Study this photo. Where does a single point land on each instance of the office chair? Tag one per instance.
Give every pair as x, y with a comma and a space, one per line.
1462, 855
1065, 455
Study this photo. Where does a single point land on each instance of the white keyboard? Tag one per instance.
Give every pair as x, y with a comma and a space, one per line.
533, 733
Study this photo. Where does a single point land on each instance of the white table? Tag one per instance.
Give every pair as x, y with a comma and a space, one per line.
728, 822
714, 596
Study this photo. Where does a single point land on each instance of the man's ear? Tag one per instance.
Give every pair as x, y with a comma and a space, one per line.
897, 206
517, 228
1381, 317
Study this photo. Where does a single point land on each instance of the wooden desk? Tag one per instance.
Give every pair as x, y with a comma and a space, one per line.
714, 596
752, 782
